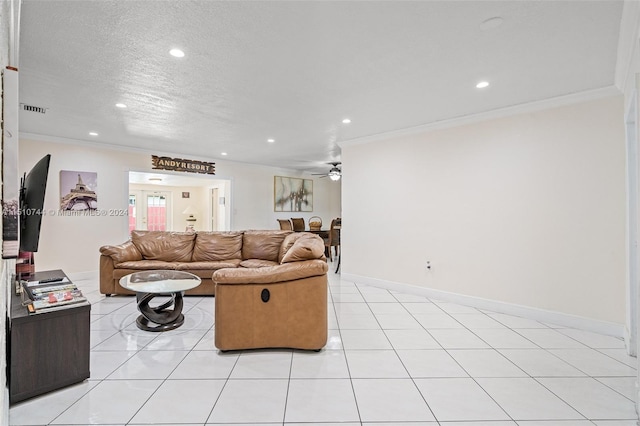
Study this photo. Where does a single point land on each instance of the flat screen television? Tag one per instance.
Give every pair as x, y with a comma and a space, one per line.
32, 190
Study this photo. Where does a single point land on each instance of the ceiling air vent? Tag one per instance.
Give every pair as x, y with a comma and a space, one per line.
31, 108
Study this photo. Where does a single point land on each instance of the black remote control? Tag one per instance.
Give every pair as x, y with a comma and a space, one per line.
50, 280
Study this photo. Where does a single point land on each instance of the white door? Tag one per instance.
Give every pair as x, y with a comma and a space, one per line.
214, 209
150, 210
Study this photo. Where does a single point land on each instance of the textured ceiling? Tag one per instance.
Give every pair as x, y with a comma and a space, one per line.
291, 71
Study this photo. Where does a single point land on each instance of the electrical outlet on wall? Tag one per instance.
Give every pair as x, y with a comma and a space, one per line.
428, 264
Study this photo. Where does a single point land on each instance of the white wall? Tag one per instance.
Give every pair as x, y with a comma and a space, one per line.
72, 243
526, 210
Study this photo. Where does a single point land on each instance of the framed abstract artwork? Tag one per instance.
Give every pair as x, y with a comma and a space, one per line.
292, 194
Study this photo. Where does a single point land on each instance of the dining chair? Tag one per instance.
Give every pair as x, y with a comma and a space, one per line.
285, 224
298, 224
333, 238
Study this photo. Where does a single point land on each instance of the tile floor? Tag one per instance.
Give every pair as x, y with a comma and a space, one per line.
391, 359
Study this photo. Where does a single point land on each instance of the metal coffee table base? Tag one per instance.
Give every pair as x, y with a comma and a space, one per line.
161, 317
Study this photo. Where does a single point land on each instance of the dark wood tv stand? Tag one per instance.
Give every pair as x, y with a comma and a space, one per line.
46, 351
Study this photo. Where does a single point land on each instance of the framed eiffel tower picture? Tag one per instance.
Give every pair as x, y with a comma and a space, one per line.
78, 190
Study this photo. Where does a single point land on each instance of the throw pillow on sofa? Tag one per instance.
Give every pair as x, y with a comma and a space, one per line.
305, 247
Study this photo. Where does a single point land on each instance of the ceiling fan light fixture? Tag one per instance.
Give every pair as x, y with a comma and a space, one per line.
334, 174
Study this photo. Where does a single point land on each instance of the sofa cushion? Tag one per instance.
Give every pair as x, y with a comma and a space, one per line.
146, 264
272, 274
203, 274
208, 266
121, 272
217, 246
257, 263
263, 245
164, 245
307, 247
122, 252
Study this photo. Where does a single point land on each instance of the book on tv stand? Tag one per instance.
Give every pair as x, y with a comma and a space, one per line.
46, 291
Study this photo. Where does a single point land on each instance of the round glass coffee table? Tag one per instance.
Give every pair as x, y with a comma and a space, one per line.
150, 284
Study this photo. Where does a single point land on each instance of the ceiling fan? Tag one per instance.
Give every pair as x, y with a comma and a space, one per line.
334, 174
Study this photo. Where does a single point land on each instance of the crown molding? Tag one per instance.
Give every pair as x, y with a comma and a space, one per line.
627, 44
125, 148
529, 107
87, 144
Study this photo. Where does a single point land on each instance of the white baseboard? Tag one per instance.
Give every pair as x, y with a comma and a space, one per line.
637, 399
537, 314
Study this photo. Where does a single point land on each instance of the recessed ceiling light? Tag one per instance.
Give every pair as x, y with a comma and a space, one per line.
120, 105
482, 84
271, 140
177, 53
346, 121
223, 153
93, 133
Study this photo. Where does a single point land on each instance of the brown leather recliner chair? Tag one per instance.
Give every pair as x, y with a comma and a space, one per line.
283, 306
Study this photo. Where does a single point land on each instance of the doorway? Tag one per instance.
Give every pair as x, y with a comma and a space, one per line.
214, 208
150, 210
177, 202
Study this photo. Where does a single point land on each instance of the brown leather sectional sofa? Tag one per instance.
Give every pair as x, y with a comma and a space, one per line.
270, 286
203, 253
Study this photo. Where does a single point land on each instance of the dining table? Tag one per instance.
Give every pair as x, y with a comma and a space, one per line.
323, 233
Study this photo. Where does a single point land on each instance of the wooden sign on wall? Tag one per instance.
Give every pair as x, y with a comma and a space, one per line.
182, 165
